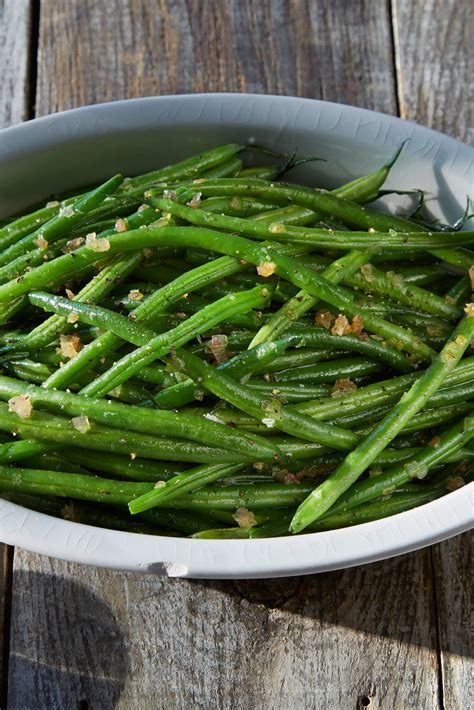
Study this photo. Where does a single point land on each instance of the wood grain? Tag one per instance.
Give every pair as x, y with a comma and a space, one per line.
94, 51
453, 570
433, 47
6, 559
435, 86
15, 30
365, 637
115, 640
322, 640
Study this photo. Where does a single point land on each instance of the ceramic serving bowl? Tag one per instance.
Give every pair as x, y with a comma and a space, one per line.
86, 145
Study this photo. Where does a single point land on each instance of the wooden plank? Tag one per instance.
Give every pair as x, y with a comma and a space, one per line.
453, 574
6, 559
115, 640
433, 43
99, 51
324, 639
435, 85
15, 30
85, 637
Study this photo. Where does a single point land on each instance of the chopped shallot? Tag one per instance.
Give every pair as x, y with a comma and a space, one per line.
21, 405
81, 423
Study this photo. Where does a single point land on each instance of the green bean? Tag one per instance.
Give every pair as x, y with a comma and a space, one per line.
38, 373
460, 292
253, 497
303, 301
445, 406
29, 370
275, 415
161, 345
101, 284
156, 302
49, 428
93, 315
190, 167
287, 215
230, 168
419, 275
157, 423
375, 510
223, 534
347, 211
298, 357
191, 305
357, 419
364, 189
291, 269
182, 483
236, 206
317, 238
54, 272
137, 469
98, 516
53, 462
392, 284
181, 282
24, 225
264, 172
181, 520
336, 206
241, 248
431, 418
299, 275
144, 312
237, 341
382, 509
70, 485
367, 187
287, 393
390, 391
9, 310
24, 449
362, 456
416, 468
63, 221
27, 261
389, 457
320, 337
249, 361
330, 371
461, 258
360, 190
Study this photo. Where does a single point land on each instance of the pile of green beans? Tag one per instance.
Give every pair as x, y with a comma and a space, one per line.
208, 351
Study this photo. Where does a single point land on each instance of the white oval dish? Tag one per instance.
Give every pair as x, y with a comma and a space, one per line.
85, 145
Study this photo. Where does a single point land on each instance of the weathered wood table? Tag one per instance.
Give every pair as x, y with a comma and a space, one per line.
388, 635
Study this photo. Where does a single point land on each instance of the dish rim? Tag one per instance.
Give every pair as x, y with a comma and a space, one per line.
184, 557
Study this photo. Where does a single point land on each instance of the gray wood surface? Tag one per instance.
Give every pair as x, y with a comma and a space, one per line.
15, 38
387, 635
123, 641
435, 88
94, 51
454, 602
6, 557
15, 45
433, 50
